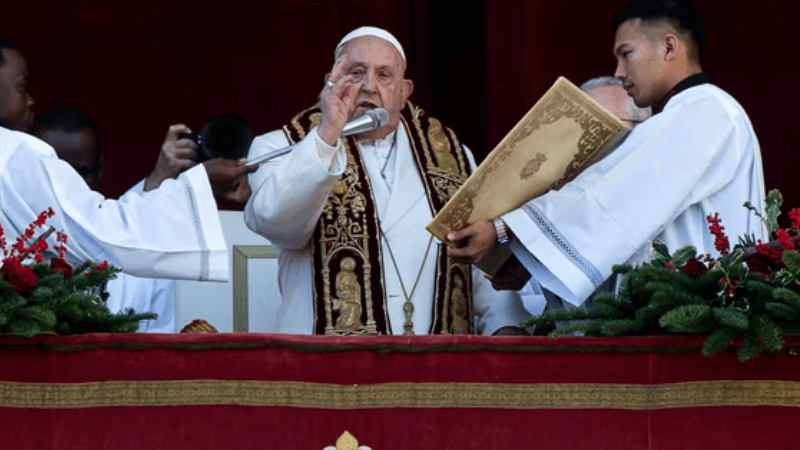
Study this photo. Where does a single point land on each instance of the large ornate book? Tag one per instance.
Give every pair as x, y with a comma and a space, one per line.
564, 132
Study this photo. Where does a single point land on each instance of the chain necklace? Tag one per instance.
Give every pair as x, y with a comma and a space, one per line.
408, 307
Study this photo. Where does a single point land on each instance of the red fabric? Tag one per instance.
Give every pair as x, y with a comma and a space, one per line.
476, 65
364, 360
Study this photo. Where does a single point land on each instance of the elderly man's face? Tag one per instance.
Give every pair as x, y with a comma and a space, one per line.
614, 98
15, 102
378, 66
640, 64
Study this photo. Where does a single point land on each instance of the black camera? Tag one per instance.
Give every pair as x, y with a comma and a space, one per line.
223, 136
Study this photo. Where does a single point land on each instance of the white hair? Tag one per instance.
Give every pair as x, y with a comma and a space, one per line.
634, 112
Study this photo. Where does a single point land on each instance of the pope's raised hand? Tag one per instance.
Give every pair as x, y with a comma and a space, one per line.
337, 101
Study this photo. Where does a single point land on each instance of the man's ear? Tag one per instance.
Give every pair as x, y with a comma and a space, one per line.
671, 44
408, 89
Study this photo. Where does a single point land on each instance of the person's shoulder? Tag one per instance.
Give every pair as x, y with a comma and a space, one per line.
269, 141
14, 141
709, 97
11, 140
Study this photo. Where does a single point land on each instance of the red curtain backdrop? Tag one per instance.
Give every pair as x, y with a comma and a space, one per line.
477, 65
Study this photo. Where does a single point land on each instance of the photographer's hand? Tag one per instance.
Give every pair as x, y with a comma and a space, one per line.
229, 178
176, 156
337, 101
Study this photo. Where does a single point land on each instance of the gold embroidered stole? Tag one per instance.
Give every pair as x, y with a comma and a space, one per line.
347, 261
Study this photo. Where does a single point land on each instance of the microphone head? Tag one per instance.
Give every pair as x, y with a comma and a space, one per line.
371, 120
380, 116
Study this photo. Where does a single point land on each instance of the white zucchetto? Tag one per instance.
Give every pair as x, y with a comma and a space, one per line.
372, 31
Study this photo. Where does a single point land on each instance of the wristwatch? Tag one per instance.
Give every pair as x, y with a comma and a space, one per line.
502, 233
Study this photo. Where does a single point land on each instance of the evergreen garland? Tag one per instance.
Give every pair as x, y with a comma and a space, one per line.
51, 297
751, 292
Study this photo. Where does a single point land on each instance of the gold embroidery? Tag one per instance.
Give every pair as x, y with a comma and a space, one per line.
347, 442
464, 165
348, 297
458, 306
532, 166
642, 397
441, 147
344, 229
565, 125
315, 118
347, 229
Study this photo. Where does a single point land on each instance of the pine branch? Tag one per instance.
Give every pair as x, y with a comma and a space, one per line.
621, 327
788, 296
732, 317
585, 326
685, 316
719, 340
782, 311
791, 259
750, 348
769, 332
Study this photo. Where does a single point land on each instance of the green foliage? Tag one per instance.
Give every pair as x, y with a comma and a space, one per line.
724, 301
732, 317
684, 316
773, 204
63, 306
791, 259
719, 339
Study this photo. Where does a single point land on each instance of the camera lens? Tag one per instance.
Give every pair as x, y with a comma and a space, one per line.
223, 136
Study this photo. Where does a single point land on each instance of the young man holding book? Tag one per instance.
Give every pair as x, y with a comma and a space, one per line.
698, 155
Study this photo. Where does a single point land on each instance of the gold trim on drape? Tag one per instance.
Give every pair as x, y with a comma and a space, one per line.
399, 395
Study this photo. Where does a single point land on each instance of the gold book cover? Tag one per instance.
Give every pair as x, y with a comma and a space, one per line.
564, 132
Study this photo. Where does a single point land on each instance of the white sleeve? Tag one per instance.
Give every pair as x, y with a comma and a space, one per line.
172, 232
617, 206
290, 191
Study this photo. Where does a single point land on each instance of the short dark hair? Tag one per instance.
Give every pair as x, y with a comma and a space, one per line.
681, 14
7, 44
67, 118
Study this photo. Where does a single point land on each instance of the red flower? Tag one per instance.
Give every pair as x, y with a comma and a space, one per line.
794, 217
769, 252
785, 240
721, 242
694, 268
758, 263
18, 276
60, 265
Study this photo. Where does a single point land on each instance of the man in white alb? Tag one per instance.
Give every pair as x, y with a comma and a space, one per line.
696, 156
170, 232
348, 214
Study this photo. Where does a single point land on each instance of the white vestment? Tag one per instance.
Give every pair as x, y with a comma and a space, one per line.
288, 196
698, 157
171, 232
144, 295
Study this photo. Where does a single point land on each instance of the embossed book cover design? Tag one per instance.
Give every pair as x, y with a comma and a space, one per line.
564, 132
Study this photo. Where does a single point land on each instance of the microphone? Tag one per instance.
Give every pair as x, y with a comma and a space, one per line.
371, 120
